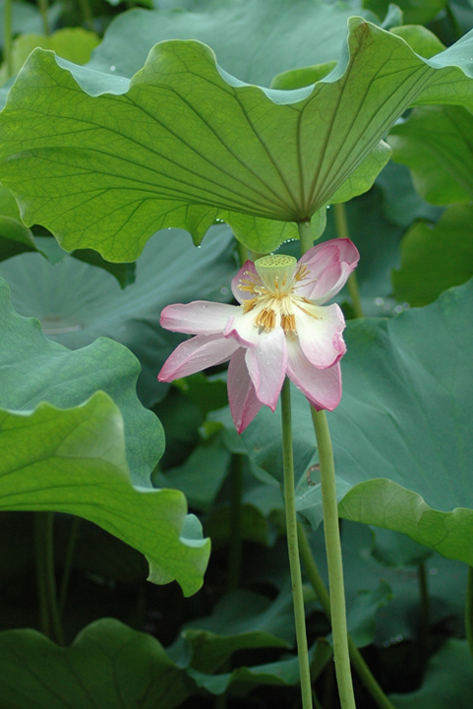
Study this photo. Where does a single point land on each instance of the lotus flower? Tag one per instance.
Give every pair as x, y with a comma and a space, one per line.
281, 328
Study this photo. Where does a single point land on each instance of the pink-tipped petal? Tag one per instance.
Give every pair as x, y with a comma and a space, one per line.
322, 387
329, 266
246, 273
244, 404
196, 354
201, 317
267, 366
320, 333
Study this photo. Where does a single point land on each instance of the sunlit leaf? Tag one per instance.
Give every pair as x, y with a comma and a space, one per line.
116, 160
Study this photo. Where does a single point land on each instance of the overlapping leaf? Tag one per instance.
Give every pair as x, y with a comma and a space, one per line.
82, 458
401, 434
77, 303
104, 162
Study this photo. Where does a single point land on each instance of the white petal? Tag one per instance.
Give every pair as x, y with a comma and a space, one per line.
320, 333
246, 272
267, 366
201, 317
196, 354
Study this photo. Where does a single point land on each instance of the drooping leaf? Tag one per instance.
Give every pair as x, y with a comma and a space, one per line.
275, 37
74, 461
436, 144
108, 665
435, 257
84, 458
224, 148
76, 303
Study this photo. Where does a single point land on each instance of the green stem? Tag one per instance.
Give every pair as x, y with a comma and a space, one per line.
236, 492
87, 14
293, 547
43, 8
8, 36
469, 610
425, 615
321, 592
334, 560
305, 236
242, 252
49, 609
341, 225
75, 521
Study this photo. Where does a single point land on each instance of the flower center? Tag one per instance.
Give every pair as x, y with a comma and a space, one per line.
273, 300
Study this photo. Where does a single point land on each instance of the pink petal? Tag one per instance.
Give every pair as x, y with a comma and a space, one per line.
201, 317
267, 366
322, 387
329, 266
246, 272
244, 405
196, 354
320, 333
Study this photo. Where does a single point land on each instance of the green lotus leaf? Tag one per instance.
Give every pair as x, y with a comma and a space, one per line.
35, 369
401, 433
436, 145
104, 162
435, 257
415, 12
276, 36
107, 665
77, 303
448, 680
74, 461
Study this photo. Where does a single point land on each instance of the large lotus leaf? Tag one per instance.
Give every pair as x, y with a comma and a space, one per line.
34, 370
107, 665
104, 162
436, 143
76, 303
435, 258
74, 461
401, 203
448, 680
254, 40
401, 435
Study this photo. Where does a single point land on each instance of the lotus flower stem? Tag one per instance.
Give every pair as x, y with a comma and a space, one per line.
236, 491
321, 592
334, 560
341, 225
469, 610
49, 608
43, 8
293, 547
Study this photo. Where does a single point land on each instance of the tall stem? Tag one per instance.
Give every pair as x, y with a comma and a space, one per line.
8, 36
50, 616
321, 592
293, 547
43, 8
334, 560
341, 225
75, 521
236, 492
305, 236
469, 610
